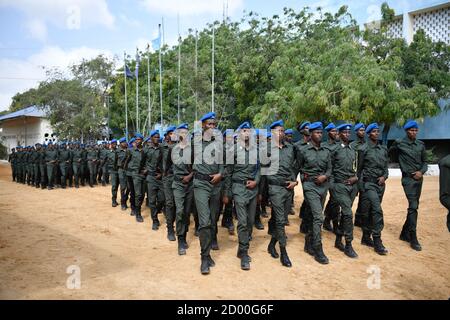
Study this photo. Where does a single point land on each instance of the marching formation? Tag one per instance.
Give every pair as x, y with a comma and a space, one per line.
239, 174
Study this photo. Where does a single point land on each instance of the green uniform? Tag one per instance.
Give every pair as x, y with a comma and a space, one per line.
153, 166
357, 145
207, 195
92, 160
332, 209
21, 165
77, 165
444, 185
344, 160
183, 193
305, 210
411, 156
314, 162
51, 157
103, 154
167, 181
12, 159
241, 171
42, 169
121, 155
372, 164
129, 175
64, 156
279, 195
28, 166
227, 218
136, 167
112, 168
35, 158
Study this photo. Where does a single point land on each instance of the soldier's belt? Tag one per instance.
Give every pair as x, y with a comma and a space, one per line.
240, 181
373, 180
277, 183
201, 176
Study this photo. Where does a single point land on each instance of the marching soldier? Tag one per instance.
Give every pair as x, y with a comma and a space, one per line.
64, 163
227, 206
36, 168
208, 172
411, 155
12, 160
332, 209
244, 175
281, 182
77, 159
167, 181
43, 167
373, 173
103, 166
92, 159
129, 173
112, 168
71, 146
314, 161
360, 131
344, 188
179, 158
51, 158
304, 209
289, 136
121, 155
444, 185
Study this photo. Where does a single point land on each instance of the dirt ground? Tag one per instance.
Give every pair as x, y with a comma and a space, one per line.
42, 233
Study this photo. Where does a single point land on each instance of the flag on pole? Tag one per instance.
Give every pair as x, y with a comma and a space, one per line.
156, 43
138, 61
128, 73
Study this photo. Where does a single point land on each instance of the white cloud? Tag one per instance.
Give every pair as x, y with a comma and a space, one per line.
68, 14
191, 7
20, 75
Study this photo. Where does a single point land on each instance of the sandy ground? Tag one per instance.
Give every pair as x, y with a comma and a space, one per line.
42, 233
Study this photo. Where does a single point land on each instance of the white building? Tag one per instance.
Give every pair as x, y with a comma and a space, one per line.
25, 127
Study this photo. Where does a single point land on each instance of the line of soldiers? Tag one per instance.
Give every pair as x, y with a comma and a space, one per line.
205, 176
60, 165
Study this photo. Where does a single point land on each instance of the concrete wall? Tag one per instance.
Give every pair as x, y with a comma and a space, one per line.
24, 131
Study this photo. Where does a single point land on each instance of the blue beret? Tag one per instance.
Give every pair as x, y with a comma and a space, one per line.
411, 124
153, 132
138, 136
209, 115
147, 139
345, 126
122, 140
183, 126
244, 125
359, 126
330, 127
303, 125
289, 131
315, 126
171, 129
269, 134
132, 140
83, 145
371, 126
278, 123
113, 141
63, 143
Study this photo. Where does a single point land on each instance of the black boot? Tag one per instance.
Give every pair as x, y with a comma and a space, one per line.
139, 216
155, 225
240, 254
414, 241
114, 203
327, 224
308, 245
204, 267
214, 244
258, 224
271, 248
349, 252
379, 247
245, 262
211, 262
171, 234
319, 256
133, 212
404, 235
181, 248
338, 243
185, 244
284, 257
367, 239
123, 207
303, 227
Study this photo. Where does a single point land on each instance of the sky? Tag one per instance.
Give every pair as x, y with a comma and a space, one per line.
36, 35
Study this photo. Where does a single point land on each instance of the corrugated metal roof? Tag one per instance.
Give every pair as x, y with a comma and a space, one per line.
31, 111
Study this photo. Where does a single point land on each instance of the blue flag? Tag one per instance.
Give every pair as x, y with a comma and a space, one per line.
128, 73
156, 43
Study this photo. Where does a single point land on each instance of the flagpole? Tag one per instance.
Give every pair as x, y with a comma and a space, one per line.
179, 67
126, 102
160, 77
137, 91
212, 67
196, 73
149, 90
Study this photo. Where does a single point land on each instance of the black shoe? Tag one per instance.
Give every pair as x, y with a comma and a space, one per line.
214, 245
319, 256
358, 220
196, 233
308, 246
414, 241
204, 267
272, 250
124, 207
133, 213
181, 248
240, 254
259, 225
185, 244
379, 247
211, 262
114, 203
303, 228
367, 240
284, 258
245, 262
327, 225
404, 235
155, 225
171, 235
139, 217
349, 251
338, 243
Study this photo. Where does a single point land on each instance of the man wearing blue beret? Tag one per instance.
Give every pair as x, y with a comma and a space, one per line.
410, 153
167, 181
281, 182
444, 185
51, 157
372, 173
357, 144
91, 160
12, 158
112, 169
226, 203
208, 173
315, 170
77, 165
332, 209
122, 173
